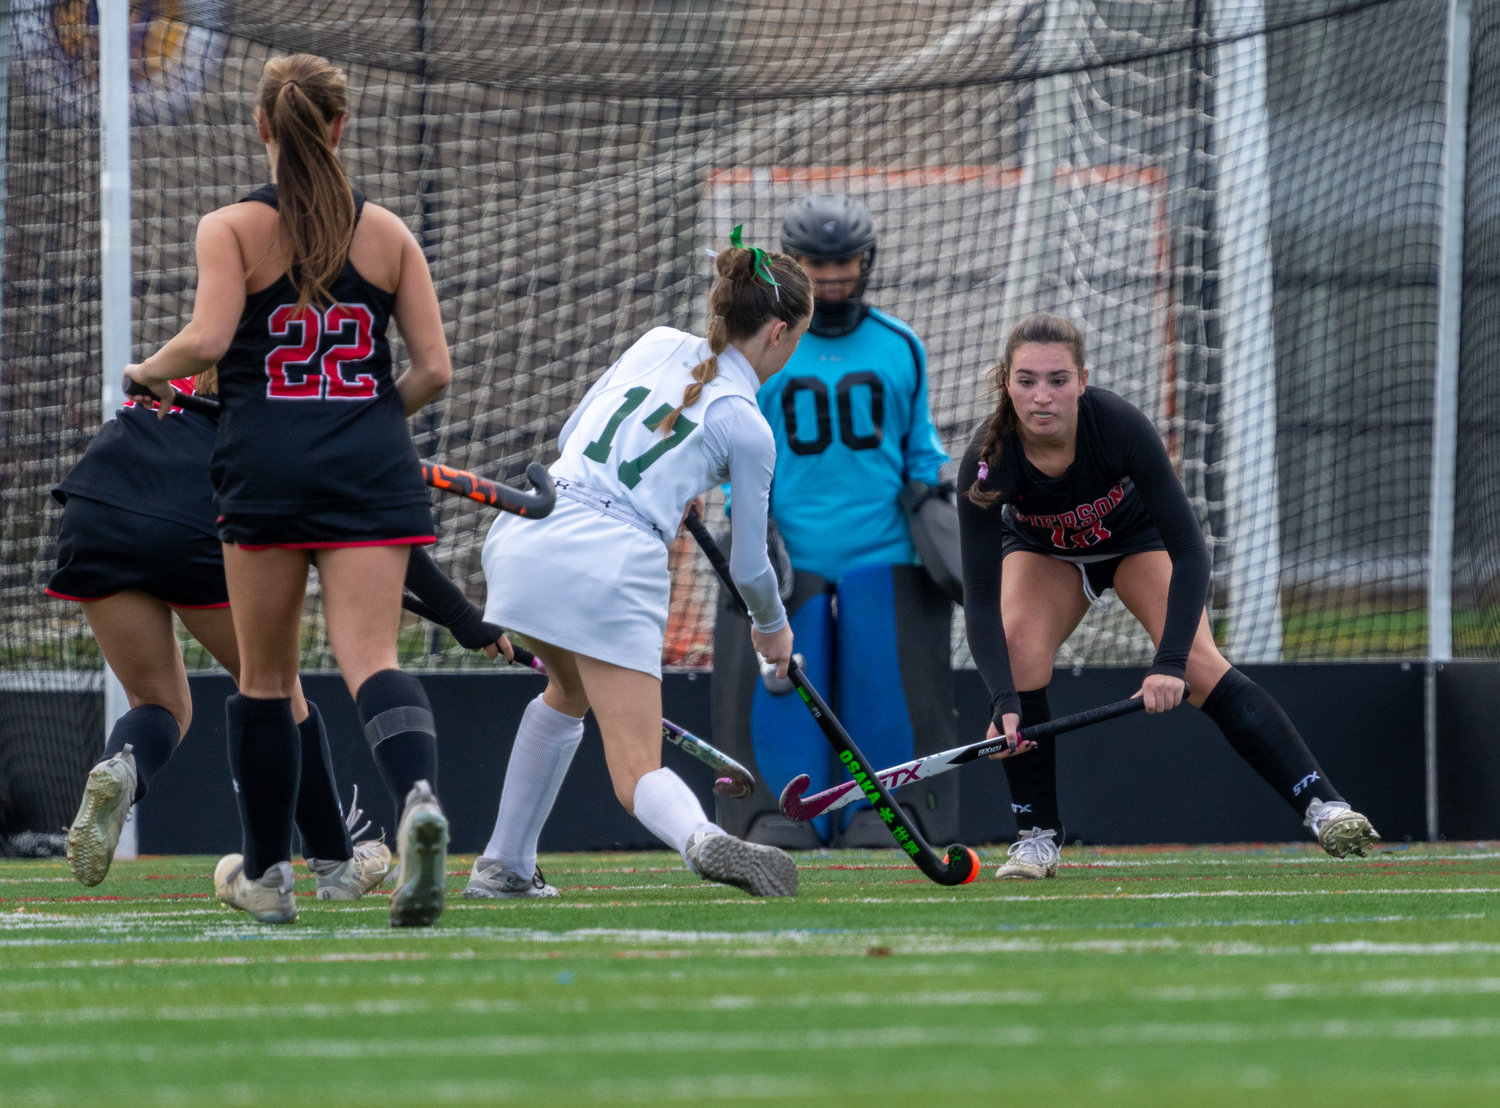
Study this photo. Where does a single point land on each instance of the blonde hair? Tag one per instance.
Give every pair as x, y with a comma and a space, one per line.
1041, 329
739, 305
302, 95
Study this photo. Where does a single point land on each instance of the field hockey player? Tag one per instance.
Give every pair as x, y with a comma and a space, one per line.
297, 285
1070, 492
138, 542
852, 428
588, 586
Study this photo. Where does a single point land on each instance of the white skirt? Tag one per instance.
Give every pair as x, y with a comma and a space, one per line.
581, 580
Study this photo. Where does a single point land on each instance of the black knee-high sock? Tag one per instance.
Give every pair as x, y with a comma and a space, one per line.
1033, 776
265, 758
320, 816
398, 726
1261, 733
152, 733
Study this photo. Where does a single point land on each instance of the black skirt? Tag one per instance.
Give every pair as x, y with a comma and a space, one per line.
102, 550
403, 525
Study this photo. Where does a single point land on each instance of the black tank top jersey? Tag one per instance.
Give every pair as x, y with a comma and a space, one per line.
155, 467
1121, 483
312, 420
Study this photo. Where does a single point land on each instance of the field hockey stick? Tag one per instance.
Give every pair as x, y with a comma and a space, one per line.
961, 864
776, 686
734, 782
184, 400
797, 807
460, 482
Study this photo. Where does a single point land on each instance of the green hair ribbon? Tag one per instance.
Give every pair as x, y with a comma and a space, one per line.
762, 266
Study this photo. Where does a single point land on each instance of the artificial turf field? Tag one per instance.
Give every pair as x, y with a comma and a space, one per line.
1195, 976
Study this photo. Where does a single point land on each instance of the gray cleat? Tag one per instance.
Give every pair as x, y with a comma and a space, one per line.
1034, 855
421, 876
759, 870
351, 879
1340, 830
268, 898
490, 879
96, 829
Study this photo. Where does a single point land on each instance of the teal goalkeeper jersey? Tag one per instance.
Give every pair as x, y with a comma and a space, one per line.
851, 423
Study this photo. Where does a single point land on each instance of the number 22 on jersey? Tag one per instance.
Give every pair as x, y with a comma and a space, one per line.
630, 472
295, 372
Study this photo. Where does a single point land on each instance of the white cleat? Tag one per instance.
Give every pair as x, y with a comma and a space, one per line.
1033, 855
268, 898
96, 829
422, 845
353, 877
759, 870
490, 879
1340, 830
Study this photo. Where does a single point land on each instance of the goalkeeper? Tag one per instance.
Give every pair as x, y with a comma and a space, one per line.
852, 428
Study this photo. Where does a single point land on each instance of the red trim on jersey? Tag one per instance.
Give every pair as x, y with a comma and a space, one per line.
412, 540
106, 596
77, 599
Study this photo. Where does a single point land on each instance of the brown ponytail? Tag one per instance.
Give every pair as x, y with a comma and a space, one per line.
302, 95
740, 304
1041, 329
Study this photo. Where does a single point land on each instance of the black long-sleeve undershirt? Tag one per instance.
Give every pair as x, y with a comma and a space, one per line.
1117, 449
441, 601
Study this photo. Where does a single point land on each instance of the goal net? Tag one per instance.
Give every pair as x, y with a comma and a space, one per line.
1238, 203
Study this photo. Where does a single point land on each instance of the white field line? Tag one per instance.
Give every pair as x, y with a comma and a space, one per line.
552, 938
1311, 859
771, 942
734, 1086
738, 1043
23, 919
1192, 895
364, 1009
485, 1007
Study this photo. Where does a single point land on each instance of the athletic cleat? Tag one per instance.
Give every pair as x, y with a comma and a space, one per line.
96, 829
490, 879
421, 877
352, 878
759, 870
1340, 830
1033, 855
268, 898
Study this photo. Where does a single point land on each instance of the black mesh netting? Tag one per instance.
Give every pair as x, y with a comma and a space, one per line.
1239, 203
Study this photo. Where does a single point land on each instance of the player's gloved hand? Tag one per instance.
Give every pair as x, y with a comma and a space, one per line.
1012, 726
161, 389
774, 647
1161, 692
498, 647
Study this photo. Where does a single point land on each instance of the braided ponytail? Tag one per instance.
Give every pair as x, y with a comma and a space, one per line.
739, 305
1043, 330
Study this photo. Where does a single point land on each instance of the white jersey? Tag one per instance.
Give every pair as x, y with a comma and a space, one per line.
612, 446
615, 458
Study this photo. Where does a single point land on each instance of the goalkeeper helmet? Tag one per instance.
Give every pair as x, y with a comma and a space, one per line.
829, 227
823, 226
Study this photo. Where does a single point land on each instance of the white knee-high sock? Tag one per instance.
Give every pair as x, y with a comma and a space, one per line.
669, 810
545, 744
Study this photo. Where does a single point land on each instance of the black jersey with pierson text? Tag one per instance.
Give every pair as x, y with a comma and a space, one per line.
1121, 483
151, 466
312, 420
